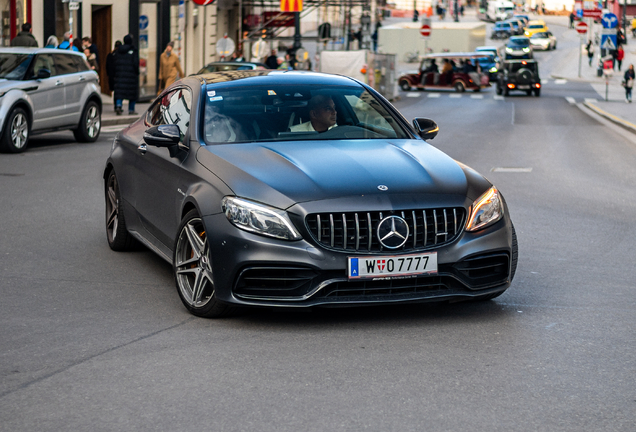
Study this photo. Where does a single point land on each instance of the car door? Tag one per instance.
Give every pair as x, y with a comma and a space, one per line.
157, 174
49, 96
75, 80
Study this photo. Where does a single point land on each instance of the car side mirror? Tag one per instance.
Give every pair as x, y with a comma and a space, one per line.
426, 128
43, 73
163, 135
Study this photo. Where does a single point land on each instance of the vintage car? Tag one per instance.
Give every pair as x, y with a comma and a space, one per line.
460, 78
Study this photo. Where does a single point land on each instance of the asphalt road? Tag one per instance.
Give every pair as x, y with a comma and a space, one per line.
97, 340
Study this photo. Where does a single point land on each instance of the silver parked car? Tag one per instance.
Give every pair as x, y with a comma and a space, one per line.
543, 41
45, 90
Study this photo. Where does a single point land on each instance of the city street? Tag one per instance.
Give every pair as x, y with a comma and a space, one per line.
98, 340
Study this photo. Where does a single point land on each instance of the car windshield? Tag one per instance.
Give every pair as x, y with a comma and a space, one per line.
14, 66
539, 36
291, 113
535, 26
514, 42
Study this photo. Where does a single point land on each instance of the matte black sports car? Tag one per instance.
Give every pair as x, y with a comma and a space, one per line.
299, 189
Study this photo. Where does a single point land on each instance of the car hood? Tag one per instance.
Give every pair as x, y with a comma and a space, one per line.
6, 84
285, 173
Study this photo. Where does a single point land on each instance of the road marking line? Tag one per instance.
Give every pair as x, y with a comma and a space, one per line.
560, 81
570, 100
455, 96
497, 97
412, 94
476, 96
512, 170
434, 95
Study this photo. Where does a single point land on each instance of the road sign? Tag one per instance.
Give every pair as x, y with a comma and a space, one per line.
608, 42
592, 13
73, 5
609, 20
143, 22
425, 31
291, 5
225, 46
203, 2
581, 27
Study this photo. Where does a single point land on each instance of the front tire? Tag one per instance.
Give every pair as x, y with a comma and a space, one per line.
459, 87
90, 123
404, 85
192, 264
537, 92
16, 132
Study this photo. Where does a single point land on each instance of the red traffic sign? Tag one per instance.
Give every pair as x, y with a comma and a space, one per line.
203, 2
581, 27
425, 31
592, 13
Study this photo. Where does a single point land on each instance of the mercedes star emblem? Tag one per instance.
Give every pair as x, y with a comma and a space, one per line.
393, 231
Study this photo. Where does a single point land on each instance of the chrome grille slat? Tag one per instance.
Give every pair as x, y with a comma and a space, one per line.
346, 231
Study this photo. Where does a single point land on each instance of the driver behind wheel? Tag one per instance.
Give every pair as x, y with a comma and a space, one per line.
322, 115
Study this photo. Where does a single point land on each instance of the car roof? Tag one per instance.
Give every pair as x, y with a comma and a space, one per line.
458, 55
535, 22
518, 38
274, 77
235, 63
25, 50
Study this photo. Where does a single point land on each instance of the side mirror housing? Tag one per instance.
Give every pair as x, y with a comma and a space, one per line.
43, 74
163, 135
426, 128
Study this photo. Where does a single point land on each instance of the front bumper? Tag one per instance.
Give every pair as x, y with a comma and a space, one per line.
257, 271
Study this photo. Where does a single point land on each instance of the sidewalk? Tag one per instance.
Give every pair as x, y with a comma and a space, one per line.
614, 107
109, 118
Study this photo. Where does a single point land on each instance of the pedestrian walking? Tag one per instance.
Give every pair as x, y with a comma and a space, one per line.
272, 61
169, 67
66, 43
628, 83
590, 51
126, 76
25, 38
572, 19
110, 66
620, 55
52, 42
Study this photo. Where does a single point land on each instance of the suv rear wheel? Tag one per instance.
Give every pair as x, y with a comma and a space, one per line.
90, 123
16, 132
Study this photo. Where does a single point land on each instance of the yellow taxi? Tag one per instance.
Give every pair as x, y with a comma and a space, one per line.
535, 26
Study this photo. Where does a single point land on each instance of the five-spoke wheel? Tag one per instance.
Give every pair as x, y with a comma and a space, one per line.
193, 269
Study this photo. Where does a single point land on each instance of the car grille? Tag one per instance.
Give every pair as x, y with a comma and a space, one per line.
356, 231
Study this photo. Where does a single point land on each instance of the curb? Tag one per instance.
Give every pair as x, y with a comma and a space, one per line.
611, 117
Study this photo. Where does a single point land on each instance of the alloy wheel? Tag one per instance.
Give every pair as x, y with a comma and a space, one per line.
193, 267
93, 122
112, 209
19, 130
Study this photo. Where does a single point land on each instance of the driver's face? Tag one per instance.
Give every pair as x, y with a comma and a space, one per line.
324, 116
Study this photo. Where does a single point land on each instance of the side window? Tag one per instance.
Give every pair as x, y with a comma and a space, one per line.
80, 63
65, 64
172, 108
44, 61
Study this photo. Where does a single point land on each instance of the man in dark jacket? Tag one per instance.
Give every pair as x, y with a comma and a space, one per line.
126, 76
24, 38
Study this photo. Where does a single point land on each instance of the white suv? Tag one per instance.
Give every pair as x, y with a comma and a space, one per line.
44, 90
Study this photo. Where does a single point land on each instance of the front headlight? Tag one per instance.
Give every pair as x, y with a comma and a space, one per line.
493, 69
526, 49
259, 219
508, 49
486, 210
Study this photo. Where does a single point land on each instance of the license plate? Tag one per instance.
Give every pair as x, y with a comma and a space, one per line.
523, 87
392, 266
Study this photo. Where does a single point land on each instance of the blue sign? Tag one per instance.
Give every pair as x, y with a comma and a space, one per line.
610, 21
579, 13
143, 22
608, 42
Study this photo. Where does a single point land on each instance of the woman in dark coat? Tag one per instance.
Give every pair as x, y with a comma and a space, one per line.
126, 76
